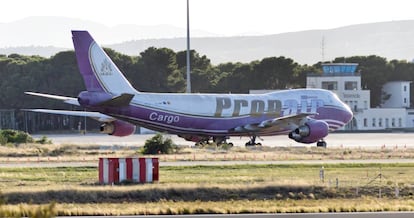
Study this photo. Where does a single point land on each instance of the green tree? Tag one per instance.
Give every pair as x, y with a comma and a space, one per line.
235, 78
203, 74
158, 72
273, 73
300, 73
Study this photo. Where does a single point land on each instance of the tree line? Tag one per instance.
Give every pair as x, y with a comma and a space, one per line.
164, 70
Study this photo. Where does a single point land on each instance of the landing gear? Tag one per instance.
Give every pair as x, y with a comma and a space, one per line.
221, 141
321, 144
252, 142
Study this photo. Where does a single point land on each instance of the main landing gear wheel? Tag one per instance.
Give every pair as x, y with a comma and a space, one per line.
321, 144
252, 142
221, 141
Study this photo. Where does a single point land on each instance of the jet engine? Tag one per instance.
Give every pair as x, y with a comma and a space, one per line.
118, 128
310, 132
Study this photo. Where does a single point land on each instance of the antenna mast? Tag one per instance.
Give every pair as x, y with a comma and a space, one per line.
188, 90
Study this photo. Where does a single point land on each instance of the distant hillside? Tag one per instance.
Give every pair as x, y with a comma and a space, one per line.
55, 31
393, 40
44, 51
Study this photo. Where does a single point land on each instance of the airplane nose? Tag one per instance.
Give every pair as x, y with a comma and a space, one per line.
348, 114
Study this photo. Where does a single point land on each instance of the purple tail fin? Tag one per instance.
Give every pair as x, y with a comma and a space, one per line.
99, 73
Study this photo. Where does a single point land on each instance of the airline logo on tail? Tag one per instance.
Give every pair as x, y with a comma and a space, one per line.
106, 69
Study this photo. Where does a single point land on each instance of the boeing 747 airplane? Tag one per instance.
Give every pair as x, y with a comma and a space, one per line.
305, 115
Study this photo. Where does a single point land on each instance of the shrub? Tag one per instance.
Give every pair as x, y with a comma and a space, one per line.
15, 136
64, 150
158, 144
44, 140
10, 137
3, 140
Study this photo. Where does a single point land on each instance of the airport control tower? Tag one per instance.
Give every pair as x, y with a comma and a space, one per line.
345, 81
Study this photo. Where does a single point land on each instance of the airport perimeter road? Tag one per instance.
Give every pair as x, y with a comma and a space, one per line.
305, 215
370, 140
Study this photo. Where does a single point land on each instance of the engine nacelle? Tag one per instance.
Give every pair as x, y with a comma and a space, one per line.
90, 99
311, 132
118, 128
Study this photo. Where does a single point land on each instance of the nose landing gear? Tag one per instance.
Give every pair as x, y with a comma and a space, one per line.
321, 144
252, 142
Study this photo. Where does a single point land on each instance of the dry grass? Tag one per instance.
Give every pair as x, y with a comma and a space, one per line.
365, 204
91, 153
213, 189
210, 189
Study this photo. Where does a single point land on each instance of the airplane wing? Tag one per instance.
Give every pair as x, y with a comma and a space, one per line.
94, 115
68, 100
280, 123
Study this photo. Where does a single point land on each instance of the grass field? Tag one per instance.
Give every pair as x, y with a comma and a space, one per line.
207, 189
91, 153
214, 189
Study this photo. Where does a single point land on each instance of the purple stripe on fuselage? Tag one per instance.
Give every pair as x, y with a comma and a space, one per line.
176, 123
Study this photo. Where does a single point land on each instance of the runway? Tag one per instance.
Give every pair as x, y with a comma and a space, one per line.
208, 163
368, 140
344, 140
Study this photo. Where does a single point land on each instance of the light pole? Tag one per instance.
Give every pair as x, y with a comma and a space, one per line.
188, 90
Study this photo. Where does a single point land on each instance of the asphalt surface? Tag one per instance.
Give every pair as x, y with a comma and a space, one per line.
370, 140
205, 163
366, 140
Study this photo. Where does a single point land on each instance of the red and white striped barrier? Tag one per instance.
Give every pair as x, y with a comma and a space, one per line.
137, 170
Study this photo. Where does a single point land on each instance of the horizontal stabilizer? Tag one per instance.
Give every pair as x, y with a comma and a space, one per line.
68, 100
94, 115
118, 101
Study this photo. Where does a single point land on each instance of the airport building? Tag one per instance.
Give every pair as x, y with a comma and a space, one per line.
345, 81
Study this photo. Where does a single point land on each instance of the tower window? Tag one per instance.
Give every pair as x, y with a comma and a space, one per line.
351, 85
330, 85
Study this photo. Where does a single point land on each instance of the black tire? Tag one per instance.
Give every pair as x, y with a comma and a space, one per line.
321, 144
